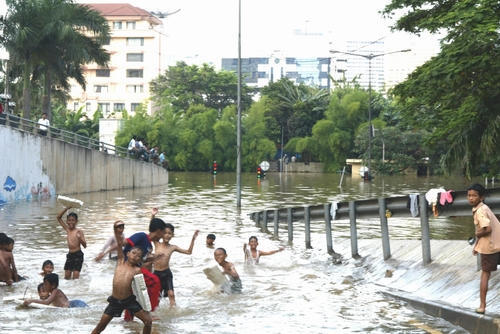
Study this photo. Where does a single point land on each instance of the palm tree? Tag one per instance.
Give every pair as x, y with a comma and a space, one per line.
53, 39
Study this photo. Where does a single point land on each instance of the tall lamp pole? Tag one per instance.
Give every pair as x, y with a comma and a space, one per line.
238, 134
369, 57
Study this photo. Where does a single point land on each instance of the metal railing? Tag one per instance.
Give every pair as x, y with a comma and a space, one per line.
371, 208
33, 127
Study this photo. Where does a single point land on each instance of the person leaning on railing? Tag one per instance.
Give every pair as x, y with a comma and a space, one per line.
43, 124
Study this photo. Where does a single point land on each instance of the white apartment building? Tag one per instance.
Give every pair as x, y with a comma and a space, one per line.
136, 49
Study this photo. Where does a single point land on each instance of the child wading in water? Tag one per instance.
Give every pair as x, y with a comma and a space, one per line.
252, 255
47, 268
162, 264
122, 297
8, 271
220, 256
75, 237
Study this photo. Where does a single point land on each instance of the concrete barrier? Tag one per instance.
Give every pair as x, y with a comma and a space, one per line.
33, 165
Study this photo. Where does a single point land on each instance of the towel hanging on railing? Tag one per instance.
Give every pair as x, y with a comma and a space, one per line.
413, 204
333, 209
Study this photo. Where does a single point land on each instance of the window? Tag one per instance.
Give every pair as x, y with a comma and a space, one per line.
135, 57
75, 106
135, 89
131, 25
103, 107
135, 41
134, 73
102, 73
135, 106
100, 89
119, 106
88, 107
117, 25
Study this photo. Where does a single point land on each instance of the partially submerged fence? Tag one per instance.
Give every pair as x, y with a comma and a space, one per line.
33, 127
382, 207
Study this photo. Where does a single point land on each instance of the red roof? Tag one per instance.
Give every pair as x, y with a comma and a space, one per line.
121, 9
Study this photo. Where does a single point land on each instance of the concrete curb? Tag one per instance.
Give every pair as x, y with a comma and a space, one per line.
471, 321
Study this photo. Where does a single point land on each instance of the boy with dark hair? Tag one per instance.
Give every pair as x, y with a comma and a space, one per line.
56, 296
210, 240
252, 255
220, 256
487, 232
162, 264
8, 271
75, 238
122, 296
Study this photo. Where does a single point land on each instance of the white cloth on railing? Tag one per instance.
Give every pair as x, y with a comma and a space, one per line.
333, 209
414, 205
432, 195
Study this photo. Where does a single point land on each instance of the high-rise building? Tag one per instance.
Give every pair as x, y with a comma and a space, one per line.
357, 68
260, 71
136, 48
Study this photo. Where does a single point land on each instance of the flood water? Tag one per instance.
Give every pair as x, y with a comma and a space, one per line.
294, 291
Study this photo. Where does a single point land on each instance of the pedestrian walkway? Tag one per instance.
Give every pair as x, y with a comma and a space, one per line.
448, 287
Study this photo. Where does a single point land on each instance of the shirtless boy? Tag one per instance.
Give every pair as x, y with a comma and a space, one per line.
252, 255
75, 237
220, 256
122, 297
8, 271
161, 264
56, 296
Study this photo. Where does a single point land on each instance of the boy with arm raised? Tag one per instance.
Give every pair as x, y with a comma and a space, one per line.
122, 296
75, 238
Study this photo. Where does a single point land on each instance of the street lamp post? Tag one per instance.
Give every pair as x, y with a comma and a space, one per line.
238, 122
369, 57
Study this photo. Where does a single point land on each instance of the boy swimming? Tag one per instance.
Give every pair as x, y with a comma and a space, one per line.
122, 297
252, 255
220, 256
161, 264
75, 237
56, 296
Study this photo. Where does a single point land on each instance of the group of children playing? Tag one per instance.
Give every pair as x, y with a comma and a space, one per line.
134, 256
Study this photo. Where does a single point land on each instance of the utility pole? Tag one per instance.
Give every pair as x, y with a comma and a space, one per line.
238, 134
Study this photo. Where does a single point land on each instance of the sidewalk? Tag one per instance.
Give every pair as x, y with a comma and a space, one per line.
448, 287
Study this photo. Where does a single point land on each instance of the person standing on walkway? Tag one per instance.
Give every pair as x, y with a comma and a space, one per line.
487, 232
43, 124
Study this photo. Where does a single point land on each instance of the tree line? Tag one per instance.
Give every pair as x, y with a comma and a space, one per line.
445, 114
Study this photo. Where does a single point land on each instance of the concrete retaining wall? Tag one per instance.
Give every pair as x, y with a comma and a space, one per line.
38, 166
300, 167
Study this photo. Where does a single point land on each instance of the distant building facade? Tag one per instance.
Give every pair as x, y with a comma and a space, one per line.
260, 71
136, 48
353, 67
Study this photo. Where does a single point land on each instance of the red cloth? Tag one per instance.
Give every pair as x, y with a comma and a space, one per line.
154, 289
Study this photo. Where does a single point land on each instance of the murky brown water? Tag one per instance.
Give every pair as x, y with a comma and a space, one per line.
297, 290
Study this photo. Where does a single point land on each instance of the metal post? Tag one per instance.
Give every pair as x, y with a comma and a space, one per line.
424, 225
289, 219
354, 230
263, 227
257, 221
384, 229
276, 223
307, 220
328, 229
238, 122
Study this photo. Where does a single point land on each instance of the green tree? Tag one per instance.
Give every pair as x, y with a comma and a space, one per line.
455, 94
52, 39
184, 85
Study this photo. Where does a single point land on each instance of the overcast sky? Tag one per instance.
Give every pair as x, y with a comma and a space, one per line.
207, 30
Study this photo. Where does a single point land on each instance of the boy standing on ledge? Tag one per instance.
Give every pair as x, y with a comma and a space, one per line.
487, 231
75, 237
